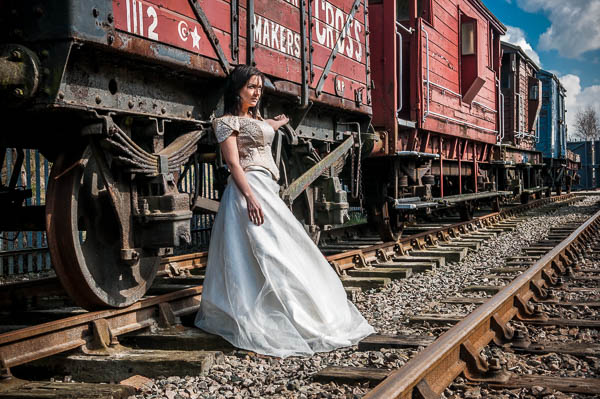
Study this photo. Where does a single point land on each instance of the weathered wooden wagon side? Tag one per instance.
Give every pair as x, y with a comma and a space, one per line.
119, 95
519, 163
436, 67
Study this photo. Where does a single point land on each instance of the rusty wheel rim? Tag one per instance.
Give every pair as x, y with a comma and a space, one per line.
83, 239
466, 211
390, 223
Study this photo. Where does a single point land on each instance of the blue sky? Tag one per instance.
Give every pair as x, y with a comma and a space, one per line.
564, 37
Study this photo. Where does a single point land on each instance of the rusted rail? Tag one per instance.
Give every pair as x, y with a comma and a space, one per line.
457, 350
93, 330
383, 252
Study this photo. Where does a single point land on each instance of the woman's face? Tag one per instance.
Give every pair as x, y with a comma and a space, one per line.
251, 92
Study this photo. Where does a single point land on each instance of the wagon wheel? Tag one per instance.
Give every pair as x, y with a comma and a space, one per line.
525, 197
559, 189
496, 204
389, 221
466, 210
83, 237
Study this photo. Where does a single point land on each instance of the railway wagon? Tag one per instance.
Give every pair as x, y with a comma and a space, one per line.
560, 169
522, 102
436, 101
119, 95
589, 154
573, 168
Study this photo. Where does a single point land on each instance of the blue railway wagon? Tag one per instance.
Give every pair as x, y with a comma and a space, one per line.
588, 152
553, 127
559, 171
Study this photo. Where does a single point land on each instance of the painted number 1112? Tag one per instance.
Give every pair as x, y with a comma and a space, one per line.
135, 19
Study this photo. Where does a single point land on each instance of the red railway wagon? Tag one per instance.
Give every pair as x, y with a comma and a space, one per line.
273, 35
120, 94
522, 102
316, 57
436, 66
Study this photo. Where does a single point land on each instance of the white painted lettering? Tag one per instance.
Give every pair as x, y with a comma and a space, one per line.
297, 45
152, 14
135, 18
141, 14
339, 24
266, 34
329, 20
282, 38
320, 34
274, 35
289, 42
350, 46
358, 52
128, 16
258, 28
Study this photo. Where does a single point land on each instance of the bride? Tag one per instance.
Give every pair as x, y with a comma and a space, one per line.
268, 288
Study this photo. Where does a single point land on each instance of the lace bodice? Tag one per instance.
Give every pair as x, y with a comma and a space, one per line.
254, 140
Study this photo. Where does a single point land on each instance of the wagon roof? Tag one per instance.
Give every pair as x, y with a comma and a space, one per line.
553, 76
522, 53
485, 11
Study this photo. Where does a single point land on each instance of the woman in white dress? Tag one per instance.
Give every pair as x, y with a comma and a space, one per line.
268, 288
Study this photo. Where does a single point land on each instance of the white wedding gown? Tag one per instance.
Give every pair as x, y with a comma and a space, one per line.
268, 288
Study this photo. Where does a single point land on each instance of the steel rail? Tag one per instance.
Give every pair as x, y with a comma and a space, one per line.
359, 257
432, 370
35, 342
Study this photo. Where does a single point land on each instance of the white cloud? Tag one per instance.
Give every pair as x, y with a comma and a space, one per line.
578, 98
575, 28
517, 37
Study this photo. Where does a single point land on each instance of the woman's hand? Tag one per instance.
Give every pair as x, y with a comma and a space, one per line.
278, 121
255, 212
284, 119
230, 153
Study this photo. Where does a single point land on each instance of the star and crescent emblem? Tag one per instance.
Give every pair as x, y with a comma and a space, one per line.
184, 32
195, 38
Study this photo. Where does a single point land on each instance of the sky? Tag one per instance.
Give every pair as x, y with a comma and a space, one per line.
562, 36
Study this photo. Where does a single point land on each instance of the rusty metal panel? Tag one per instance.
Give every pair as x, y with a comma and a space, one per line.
167, 36
277, 36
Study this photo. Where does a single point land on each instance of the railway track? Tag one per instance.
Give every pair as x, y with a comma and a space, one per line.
508, 320
362, 266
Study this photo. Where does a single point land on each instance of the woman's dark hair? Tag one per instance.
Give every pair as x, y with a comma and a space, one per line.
236, 80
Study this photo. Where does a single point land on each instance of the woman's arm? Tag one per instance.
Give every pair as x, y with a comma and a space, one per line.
278, 121
230, 153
